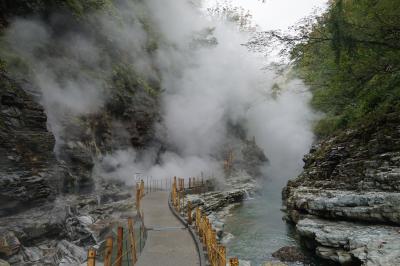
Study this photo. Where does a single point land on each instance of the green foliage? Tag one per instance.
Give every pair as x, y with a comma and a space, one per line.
127, 85
351, 61
125, 78
82, 7
43, 7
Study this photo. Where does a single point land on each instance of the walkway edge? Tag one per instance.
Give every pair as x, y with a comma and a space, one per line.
195, 237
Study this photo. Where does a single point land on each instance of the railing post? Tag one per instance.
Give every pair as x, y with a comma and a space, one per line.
222, 254
132, 239
108, 251
189, 211
142, 231
91, 261
137, 197
118, 261
179, 202
234, 261
141, 188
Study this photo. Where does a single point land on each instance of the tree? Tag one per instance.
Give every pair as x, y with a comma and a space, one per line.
350, 57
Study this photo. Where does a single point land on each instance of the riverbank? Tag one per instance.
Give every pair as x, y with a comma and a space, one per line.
345, 203
247, 216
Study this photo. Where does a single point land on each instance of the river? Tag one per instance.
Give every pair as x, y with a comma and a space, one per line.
256, 224
259, 230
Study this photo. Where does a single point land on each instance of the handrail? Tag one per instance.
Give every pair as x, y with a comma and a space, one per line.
195, 237
199, 227
132, 249
216, 252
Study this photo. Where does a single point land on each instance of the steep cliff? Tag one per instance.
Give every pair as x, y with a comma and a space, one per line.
28, 165
353, 177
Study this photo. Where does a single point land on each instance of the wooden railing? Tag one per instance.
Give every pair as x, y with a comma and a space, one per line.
216, 252
134, 243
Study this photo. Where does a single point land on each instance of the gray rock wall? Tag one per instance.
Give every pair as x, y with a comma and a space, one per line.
353, 177
27, 160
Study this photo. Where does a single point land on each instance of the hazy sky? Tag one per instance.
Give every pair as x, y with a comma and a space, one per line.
277, 14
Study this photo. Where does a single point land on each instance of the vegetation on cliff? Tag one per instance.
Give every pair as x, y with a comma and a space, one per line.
350, 58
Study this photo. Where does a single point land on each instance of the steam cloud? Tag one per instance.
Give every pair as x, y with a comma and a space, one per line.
207, 83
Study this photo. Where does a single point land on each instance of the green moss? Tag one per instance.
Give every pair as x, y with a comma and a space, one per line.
80, 8
126, 80
2, 65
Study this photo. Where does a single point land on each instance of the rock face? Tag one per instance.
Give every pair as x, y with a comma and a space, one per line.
354, 177
346, 242
59, 232
26, 150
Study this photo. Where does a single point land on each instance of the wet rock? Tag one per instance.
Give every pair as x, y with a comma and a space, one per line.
290, 254
31, 254
234, 190
217, 204
373, 206
346, 242
274, 264
4, 263
77, 228
9, 243
69, 254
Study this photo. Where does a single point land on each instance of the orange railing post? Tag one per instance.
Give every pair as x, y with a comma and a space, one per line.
91, 261
120, 239
131, 230
179, 202
222, 255
137, 197
234, 262
108, 251
189, 211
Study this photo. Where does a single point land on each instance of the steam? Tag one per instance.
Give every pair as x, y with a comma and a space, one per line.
215, 84
70, 67
209, 80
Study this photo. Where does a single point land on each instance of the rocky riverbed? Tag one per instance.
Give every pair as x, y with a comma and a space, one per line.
60, 232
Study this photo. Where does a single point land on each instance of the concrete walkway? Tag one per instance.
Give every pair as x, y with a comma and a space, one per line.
168, 243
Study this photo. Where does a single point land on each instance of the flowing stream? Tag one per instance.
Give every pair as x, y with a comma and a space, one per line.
259, 230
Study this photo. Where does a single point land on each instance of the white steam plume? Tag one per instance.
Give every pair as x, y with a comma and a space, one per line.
209, 79
208, 86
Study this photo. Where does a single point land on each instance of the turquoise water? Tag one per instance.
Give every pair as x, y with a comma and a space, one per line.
259, 230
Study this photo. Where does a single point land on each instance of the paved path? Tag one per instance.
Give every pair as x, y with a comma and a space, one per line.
169, 244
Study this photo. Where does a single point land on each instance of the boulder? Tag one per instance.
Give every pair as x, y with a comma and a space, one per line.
9, 243
291, 254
